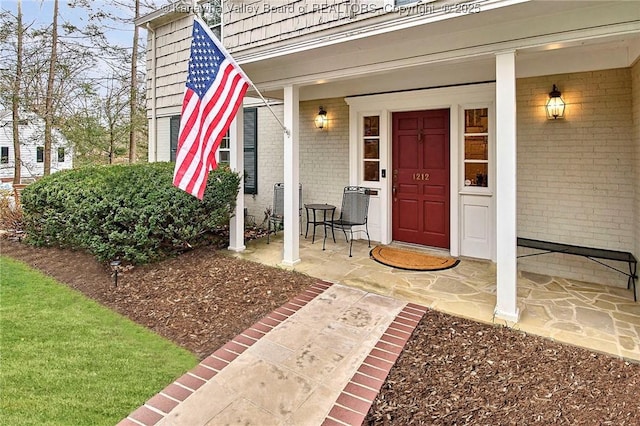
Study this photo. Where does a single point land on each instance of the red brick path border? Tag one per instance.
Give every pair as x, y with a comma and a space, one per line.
156, 408
354, 402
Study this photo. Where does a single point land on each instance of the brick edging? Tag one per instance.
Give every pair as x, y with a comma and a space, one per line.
356, 399
160, 405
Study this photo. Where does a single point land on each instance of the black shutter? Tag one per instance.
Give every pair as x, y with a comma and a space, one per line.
174, 129
250, 150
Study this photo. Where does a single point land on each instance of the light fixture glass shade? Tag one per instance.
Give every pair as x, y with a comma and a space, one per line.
321, 118
555, 104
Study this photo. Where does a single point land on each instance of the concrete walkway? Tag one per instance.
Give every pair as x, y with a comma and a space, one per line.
318, 360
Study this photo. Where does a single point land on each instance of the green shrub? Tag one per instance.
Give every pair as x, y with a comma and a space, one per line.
127, 212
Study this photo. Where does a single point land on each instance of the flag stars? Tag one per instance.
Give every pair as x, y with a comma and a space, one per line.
204, 63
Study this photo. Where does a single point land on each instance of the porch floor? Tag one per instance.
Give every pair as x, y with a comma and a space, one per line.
597, 317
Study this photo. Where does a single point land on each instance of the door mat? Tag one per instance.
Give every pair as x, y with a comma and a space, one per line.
411, 260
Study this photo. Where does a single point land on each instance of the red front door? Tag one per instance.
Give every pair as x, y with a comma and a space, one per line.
421, 177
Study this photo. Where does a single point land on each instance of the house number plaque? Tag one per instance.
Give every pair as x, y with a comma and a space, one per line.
421, 176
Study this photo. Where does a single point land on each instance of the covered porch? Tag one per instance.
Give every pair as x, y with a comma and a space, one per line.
573, 180
600, 318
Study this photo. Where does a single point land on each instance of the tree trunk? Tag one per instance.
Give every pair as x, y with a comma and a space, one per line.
112, 148
133, 104
48, 118
15, 102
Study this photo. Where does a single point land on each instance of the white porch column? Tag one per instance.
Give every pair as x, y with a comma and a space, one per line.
291, 253
236, 145
507, 275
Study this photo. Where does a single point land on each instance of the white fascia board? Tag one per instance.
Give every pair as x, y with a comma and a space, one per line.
150, 17
367, 31
176, 8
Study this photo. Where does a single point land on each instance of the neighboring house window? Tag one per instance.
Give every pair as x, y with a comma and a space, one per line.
40, 154
61, 155
476, 147
211, 13
251, 150
174, 129
4, 155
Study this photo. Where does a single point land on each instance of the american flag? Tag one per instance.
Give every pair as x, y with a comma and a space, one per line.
214, 92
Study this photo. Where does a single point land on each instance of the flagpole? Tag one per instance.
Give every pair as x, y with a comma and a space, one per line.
284, 129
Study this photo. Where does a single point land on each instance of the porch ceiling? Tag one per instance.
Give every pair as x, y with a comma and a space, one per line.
568, 37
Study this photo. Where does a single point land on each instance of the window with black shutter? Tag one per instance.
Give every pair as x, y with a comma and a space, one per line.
174, 129
250, 147
40, 154
250, 150
4, 155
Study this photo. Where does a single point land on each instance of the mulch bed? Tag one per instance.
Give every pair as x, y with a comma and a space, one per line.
454, 371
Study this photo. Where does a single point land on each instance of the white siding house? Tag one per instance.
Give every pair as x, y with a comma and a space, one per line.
472, 78
31, 128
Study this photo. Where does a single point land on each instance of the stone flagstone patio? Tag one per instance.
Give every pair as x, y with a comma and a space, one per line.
597, 317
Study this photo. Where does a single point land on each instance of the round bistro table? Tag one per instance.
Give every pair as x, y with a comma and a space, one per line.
313, 218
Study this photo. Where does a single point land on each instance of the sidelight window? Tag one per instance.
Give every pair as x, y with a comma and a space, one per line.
476, 147
371, 147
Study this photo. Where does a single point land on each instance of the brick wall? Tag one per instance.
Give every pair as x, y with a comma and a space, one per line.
270, 161
324, 155
576, 175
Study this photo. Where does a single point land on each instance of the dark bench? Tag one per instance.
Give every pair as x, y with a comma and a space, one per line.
590, 253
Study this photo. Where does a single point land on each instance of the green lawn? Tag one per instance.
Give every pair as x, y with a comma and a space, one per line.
65, 359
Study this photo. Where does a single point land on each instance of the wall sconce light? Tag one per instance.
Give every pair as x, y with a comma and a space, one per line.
555, 104
321, 118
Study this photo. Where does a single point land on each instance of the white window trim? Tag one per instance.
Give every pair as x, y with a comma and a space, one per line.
360, 180
226, 137
203, 4
478, 190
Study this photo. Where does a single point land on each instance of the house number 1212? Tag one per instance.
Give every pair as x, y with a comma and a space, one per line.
421, 176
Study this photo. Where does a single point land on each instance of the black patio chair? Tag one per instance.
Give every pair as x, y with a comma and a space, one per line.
354, 212
276, 218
